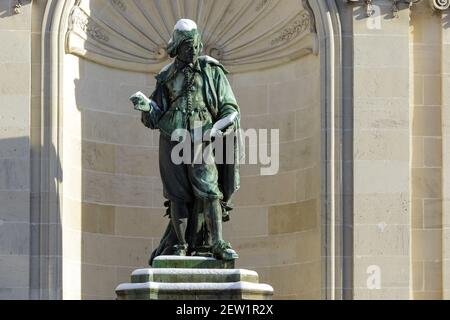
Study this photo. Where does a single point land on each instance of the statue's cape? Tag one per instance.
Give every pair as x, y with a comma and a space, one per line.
222, 102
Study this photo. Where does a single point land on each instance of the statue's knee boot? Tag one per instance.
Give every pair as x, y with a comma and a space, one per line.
213, 214
179, 216
213, 217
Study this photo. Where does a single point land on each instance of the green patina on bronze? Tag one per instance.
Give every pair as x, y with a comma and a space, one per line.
193, 91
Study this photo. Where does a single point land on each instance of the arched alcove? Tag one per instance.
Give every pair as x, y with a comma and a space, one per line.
110, 200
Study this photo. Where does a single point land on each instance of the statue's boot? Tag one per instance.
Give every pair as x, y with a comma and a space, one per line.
179, 216
222, 250
213, 215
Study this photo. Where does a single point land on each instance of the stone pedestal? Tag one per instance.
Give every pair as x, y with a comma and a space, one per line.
193, 278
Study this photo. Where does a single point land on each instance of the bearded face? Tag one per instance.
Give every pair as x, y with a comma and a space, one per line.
188, 51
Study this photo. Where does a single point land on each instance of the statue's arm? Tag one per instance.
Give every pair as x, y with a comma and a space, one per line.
228, 109
152, 108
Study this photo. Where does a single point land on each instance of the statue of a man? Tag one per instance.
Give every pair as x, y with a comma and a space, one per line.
193, 92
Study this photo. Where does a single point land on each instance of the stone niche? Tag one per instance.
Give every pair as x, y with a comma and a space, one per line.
112, 204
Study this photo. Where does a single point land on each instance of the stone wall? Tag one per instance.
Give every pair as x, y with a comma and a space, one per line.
276, 225
113, 203
426, 162
399, 75
112, 213
15, 103
110, 202
445, 73
381, 154
396, 192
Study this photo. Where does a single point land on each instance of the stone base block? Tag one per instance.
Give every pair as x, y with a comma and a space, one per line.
240, 290
193, 278
172, 275
191, 262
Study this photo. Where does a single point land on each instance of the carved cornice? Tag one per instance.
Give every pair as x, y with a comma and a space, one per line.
83, 22
242, 34
395, 4
436, 5
440, 5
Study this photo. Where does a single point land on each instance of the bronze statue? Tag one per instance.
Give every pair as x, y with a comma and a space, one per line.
193, 93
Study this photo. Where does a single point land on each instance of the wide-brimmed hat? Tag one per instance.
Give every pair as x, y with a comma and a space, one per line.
184, 30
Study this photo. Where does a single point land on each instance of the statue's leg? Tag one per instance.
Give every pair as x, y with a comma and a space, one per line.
179, 214
204, 179
213, 216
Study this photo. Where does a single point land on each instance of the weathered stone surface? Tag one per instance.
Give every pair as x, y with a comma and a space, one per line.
193, 275
240, 290
191, 262
199, 281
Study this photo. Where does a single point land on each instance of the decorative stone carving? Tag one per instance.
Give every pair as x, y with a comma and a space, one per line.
17, 7
300, 24
243, 34
86, 24
395, 5
440, 4
262, 4
120, 5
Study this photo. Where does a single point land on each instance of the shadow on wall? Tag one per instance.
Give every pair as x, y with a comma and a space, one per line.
5, 9
14, 218
45, 218
446, 20
24, 225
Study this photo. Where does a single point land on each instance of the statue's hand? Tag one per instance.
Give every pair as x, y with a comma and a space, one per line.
215, 133
228, 130
222, 127
140, 101
211, 134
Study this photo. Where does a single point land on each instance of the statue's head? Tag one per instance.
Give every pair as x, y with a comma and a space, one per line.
185, 43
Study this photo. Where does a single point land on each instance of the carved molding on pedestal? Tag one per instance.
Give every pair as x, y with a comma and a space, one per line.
242, 34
